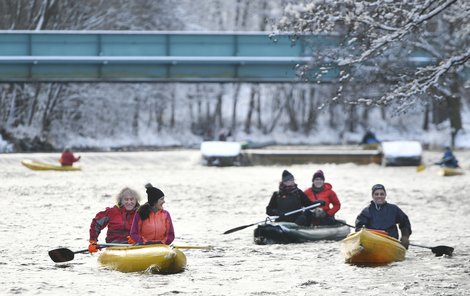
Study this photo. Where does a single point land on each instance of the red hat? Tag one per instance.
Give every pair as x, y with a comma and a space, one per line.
318, 174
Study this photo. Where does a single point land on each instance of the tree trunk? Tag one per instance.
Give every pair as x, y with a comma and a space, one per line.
135, 120
172, 108
251, 106
426, 118
351, 119
290, 108
311, 112
34, 104
53, 96
280, 108
217, 118
259, 122
236, 95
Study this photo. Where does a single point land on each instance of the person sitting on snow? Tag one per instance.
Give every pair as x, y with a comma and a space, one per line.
448, 159
369, 138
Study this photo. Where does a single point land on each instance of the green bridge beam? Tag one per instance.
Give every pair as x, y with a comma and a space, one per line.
126, 56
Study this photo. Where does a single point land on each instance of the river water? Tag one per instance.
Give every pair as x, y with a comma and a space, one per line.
45, 210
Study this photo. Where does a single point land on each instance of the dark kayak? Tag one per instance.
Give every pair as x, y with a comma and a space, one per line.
287, 232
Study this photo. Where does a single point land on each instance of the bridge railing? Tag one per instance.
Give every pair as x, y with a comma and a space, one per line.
156, 56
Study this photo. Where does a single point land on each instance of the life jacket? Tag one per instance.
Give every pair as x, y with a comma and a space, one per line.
156, 228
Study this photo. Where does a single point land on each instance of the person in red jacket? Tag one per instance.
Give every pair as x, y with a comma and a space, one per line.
67, 158
323, 191
118, 219
152, 224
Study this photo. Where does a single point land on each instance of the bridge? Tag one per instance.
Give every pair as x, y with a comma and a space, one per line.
143, 56
126, 56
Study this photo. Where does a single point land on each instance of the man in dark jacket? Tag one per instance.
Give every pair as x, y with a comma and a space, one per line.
289, 198
384, 216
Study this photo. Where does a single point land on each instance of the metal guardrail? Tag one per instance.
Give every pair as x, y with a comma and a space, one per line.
155, 56
143, 56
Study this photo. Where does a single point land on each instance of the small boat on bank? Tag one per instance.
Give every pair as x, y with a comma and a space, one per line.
370, 247
157, 258
447, 172
221, 153
44, 166
401, 153
288, 232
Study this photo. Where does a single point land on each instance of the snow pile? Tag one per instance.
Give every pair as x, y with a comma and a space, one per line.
5, 146
401, 148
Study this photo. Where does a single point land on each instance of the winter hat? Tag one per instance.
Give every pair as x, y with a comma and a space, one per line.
377, 187
318, 174
286, 176
153, 195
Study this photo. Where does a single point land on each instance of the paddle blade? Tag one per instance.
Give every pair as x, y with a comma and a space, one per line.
420, 168
442, 250
238, 228
61, 255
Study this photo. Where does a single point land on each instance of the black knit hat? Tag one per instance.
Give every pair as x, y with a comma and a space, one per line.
319, 174
287, 176
153, 195
377, 187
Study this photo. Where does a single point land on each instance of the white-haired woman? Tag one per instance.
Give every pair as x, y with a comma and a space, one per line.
118, 219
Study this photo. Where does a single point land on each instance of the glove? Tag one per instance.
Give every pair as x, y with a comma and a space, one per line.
93, 247
130, 240
405, 241
319, 213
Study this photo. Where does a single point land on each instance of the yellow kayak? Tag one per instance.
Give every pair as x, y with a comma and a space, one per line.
44, 166
158, 258
447, 172
371, 247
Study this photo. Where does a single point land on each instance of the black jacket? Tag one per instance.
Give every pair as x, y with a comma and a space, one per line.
284, 201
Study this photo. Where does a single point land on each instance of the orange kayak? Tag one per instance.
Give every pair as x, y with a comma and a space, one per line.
371, 247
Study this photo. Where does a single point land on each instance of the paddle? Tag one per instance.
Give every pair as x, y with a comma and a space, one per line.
177, 246
314, 205
64, 254
194, 247
420, 168
439, 250
340, 222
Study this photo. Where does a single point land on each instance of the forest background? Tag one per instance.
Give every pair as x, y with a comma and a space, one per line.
429, 104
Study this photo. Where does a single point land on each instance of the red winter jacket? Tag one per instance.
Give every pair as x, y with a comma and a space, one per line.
332, 204
117, 219
67, 158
